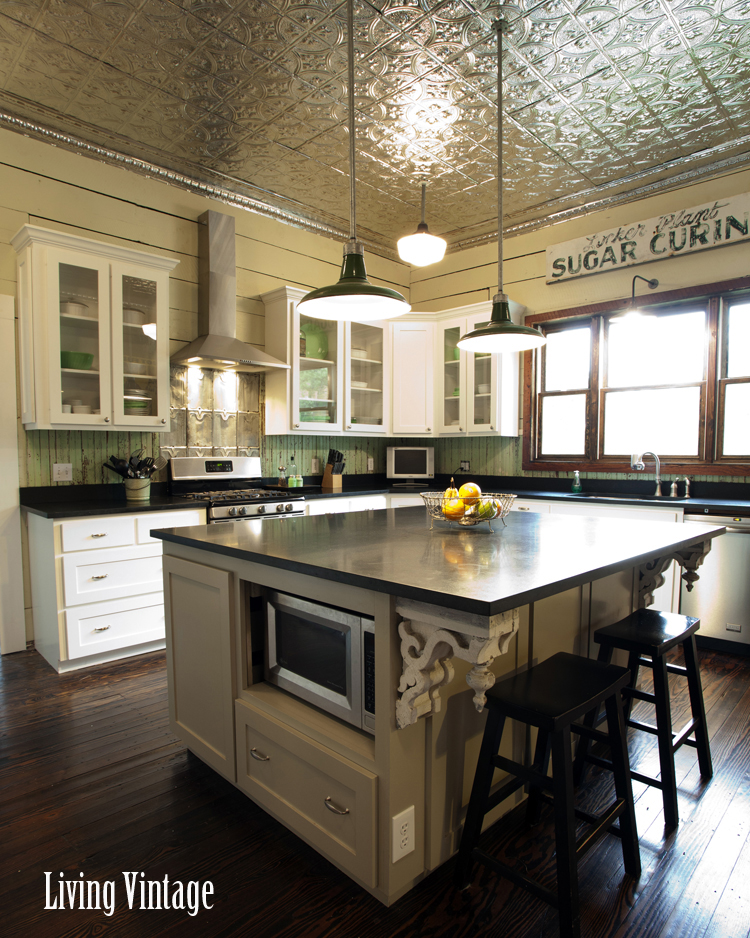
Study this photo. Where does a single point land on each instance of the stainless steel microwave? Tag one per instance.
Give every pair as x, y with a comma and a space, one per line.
323, 655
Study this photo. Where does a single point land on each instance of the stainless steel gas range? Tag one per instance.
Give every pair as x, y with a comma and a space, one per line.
230, 485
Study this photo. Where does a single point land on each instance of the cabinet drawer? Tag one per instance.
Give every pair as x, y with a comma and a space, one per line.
111, 574
166, 519
296, 779
96, 533
101, 627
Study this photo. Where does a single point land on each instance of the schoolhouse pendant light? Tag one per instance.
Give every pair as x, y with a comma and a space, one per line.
353, 297
500, 334
421, 248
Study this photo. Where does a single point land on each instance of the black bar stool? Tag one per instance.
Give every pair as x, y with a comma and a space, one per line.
653, 633
551, 696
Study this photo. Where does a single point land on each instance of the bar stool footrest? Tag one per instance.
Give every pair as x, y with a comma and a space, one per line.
518, 879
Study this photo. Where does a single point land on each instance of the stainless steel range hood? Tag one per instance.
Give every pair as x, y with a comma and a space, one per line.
217, 345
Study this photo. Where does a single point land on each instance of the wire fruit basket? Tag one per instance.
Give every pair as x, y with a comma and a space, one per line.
487, 507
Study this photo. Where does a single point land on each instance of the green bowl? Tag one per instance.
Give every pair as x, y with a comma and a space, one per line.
80, 360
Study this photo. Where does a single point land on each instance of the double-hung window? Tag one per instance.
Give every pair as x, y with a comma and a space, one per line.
673, 379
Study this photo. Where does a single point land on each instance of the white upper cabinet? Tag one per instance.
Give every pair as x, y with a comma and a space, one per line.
93, 333
308, 396
475, 393
413, 383
367, 377
339, 380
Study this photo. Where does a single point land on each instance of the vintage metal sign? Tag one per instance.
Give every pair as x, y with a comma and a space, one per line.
684, 232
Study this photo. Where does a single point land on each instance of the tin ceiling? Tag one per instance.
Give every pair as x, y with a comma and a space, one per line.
605, 101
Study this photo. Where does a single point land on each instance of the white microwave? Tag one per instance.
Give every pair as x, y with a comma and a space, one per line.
323, 655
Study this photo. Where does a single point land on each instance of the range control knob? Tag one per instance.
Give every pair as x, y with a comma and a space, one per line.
289, 507
233, 511
243, 510
261, 509
279, 507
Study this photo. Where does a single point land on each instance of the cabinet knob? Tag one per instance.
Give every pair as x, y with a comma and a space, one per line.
332, 807
106, 419
296, 426
348, 426
429, 429
256, 755
163, 419
491, 427
461, 429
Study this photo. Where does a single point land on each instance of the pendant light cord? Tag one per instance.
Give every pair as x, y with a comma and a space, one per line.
424, 194
500, 26
352, 185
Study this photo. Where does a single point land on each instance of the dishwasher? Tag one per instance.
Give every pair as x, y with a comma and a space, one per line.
721, 597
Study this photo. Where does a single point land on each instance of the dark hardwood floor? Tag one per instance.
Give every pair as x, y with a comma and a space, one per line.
93, 783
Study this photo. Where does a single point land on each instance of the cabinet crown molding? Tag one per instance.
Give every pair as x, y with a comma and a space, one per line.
32, 234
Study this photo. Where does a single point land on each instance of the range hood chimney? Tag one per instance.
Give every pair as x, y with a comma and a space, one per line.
217, 345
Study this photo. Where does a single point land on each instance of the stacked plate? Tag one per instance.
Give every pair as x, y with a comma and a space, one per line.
136, 405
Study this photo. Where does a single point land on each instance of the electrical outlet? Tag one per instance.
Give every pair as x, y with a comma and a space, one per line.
370, 464
733, 627
464, 466
402, 833
62, 472
315, 466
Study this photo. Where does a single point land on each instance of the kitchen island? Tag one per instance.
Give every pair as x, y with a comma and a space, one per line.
453, 609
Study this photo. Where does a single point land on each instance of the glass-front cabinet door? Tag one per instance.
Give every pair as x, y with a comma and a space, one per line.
481, 384
78, 302
366, 382
316, 374
140, 359
452, 393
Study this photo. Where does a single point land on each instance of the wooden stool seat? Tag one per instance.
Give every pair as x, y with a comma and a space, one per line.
551, 696
653, 633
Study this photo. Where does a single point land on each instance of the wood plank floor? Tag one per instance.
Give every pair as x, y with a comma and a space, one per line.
93, 783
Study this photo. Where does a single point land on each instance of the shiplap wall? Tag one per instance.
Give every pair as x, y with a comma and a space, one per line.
43, 185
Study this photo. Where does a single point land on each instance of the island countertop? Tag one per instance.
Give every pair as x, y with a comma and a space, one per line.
468, 569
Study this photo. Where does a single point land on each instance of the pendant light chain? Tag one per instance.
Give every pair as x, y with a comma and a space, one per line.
352, 151
500, 27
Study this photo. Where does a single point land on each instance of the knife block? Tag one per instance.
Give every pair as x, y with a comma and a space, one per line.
331, 482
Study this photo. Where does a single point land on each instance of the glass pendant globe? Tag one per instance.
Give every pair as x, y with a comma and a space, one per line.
421, 249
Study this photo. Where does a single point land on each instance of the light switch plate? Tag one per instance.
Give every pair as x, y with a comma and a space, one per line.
370, 464
62, 472
315, 466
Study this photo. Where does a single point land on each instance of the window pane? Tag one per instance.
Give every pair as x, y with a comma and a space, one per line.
656, 350
564, 425
665, 422
567, 360
736, 423
738, 342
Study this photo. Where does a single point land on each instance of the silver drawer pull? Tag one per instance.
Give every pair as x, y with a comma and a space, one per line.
521, 508
101, 576
332, 807
103, 628
99, 535
256, 755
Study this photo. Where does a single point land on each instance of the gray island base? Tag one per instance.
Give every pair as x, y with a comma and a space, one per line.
453, 609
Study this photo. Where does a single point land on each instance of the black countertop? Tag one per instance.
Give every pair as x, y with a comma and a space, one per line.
467, 569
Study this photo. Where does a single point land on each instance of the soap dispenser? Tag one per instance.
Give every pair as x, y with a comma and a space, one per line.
576, 487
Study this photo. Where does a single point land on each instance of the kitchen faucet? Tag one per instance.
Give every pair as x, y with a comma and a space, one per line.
637, 463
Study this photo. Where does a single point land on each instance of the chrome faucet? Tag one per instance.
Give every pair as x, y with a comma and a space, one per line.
637, 463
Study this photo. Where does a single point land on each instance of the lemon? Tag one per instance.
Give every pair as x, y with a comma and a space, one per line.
454, 509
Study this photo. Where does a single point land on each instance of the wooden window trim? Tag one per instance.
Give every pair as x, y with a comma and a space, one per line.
712, 397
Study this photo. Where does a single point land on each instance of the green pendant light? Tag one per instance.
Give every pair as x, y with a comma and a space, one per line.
353, 297
500, 334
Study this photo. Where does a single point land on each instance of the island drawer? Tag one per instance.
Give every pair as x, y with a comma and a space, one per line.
100, 627
326, 799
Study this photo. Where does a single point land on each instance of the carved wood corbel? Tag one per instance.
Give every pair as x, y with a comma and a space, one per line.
651, 574
426, 652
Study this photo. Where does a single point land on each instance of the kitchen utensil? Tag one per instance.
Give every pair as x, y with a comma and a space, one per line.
159, 463
79, 360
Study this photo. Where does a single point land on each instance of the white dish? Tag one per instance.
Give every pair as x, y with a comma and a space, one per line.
133, 316
483, 389
359, 384
73, 308
81, 409
135, 368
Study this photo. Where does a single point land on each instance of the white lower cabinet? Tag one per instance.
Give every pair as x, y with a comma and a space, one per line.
327, 800
327, 506
405, 501
96, 585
